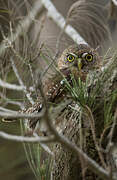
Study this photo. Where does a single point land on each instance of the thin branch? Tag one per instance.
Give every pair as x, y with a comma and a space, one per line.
17, 74
110, 136
23, 25
92, 123
60, 21
114, 2
21, 82
44, 146
9, 101
7, 110
14, 86
17, 115
11, 86
36, 139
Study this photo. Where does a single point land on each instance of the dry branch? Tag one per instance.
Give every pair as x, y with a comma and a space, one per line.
17, 115
36, 139
60, 21
22, 26
115, 2
21, 82
11, 86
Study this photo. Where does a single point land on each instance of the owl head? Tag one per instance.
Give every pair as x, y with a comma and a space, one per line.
81, 57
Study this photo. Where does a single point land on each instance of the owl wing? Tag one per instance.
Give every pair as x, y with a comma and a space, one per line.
54, 87
54, 91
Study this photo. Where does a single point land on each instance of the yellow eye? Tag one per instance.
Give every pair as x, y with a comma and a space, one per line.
89, 57
70, 57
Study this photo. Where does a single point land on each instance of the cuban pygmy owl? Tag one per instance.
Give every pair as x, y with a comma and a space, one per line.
77, 60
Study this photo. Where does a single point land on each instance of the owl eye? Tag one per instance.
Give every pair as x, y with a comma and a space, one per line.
70, 57
89, 57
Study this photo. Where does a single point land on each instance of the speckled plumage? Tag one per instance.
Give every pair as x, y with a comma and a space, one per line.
67, 122
53, 87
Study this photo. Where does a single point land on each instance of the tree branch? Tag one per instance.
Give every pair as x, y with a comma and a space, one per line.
115, 2
21, 82
11, 86
23, 25
35, 139
17, 115
60, 21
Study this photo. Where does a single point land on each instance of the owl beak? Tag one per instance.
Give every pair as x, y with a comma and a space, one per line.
79, 64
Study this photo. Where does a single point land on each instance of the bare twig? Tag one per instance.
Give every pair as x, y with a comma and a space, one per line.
60, 21
36, 139
112, 131
7, 110
115, 2
21, 82
11, 86
17, 115
14, 86
44, 146
23, 25
92, 123
9, 101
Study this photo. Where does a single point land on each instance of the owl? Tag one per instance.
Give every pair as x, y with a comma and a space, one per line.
76, 60
80, 58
